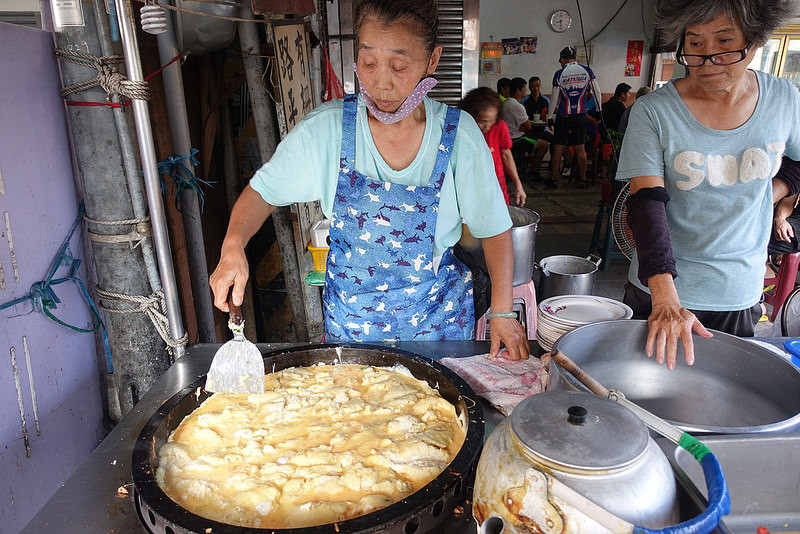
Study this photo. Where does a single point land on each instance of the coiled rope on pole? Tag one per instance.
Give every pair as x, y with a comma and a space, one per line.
139, 232
108, 76
152, 305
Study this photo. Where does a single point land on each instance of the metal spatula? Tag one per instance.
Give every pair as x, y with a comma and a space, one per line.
238, 366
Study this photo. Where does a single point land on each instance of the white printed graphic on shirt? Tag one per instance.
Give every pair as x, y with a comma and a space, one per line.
726, 169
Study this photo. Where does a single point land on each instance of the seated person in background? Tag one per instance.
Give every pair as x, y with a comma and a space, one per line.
484, 106
536, 104
623, 121
615, 107
503, 88
593, 121
785, 224
520, 128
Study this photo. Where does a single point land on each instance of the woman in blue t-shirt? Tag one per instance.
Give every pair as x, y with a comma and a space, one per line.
701, 154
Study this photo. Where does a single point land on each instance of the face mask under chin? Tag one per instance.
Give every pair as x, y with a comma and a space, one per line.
409, 104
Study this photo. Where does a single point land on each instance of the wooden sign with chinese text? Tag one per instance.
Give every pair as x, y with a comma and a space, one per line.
292, 54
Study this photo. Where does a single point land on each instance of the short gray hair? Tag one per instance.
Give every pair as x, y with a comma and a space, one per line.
758, 19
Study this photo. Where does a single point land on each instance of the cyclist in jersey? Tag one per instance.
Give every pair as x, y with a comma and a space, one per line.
573, 85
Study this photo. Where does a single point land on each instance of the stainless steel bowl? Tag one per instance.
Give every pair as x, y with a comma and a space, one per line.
735, 386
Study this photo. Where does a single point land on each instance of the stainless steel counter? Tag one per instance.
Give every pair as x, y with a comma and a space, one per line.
89, 501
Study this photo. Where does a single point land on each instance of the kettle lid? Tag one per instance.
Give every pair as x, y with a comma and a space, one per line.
579, 430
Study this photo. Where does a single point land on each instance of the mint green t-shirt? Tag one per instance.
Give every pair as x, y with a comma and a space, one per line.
720, 188
305, 167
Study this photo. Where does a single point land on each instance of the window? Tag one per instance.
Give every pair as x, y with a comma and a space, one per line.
781, 55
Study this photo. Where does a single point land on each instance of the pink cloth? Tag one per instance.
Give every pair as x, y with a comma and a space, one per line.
503, 383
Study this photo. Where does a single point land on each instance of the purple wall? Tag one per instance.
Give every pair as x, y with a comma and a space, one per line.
57, 379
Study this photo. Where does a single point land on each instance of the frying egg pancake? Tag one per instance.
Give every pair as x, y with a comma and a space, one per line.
322, 444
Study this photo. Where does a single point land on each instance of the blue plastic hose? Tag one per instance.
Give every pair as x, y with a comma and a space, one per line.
719, 500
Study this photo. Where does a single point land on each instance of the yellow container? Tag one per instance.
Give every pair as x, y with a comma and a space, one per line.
320, 255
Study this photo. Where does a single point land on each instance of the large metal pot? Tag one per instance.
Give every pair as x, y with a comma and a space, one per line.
593, 446
420, 512
735, 385
567, 275
523, 236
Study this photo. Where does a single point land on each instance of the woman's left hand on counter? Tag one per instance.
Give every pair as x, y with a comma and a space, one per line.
512, 335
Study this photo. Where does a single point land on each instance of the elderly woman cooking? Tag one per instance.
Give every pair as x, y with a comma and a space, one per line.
701, 155
397, 173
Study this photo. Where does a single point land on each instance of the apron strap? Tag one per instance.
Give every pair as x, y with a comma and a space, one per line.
445, 145
349, 111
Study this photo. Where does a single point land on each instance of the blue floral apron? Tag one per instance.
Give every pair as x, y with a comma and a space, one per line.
382, 283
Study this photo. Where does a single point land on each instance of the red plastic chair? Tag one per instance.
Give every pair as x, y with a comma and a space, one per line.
785, 282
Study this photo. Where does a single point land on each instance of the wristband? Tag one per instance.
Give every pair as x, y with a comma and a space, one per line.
495, 315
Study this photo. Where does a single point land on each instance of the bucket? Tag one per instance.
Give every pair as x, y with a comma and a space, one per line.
524, 223
567, 275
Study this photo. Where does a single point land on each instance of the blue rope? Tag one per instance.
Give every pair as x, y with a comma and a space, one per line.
44, 298
182, 178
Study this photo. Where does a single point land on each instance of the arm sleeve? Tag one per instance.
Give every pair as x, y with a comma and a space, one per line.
647, 219
789, 173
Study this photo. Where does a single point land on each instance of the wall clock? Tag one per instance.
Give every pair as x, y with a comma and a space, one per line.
560, 20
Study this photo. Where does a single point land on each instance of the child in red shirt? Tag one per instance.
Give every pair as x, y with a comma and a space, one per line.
484, 106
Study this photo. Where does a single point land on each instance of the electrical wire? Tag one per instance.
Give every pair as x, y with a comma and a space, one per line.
601, 30
644, 26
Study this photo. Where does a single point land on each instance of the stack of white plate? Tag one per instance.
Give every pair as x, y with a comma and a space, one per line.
560, 314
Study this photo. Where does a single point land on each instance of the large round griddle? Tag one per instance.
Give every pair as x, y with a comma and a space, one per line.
417, 513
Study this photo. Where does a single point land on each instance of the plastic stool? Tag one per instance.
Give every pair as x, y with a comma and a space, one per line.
524, 305
604, 246
784, 282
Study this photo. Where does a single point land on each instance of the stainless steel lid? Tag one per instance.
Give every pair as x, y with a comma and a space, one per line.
578, 430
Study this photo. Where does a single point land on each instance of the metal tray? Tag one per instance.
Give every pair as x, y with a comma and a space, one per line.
763, 476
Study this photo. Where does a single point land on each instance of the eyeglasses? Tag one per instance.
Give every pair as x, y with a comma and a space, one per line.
722, 58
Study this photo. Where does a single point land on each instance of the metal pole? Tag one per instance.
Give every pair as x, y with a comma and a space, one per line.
182, 145
152, 183
128, 153
111, 194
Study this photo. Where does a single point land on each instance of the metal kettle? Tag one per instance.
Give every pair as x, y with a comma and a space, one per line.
567, 462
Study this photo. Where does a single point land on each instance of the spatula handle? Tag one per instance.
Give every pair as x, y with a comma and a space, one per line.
234, 311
